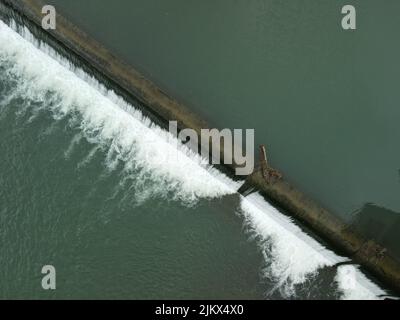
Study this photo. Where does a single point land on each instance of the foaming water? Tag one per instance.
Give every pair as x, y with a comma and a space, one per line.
106, 119
355, 285
292, 256
148, 152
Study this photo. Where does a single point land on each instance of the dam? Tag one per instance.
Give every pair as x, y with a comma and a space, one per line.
161, 108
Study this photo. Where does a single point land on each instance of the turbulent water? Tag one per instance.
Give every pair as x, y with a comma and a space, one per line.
122, 209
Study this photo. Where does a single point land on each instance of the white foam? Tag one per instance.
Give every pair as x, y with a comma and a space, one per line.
110, 121
354, 285
107, 120
292, 255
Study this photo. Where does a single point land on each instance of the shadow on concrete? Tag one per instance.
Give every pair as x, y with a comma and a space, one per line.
379, 224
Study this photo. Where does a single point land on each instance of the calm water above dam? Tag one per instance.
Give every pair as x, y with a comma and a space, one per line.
77, 190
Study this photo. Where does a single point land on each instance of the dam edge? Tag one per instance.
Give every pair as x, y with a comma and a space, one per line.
132, 84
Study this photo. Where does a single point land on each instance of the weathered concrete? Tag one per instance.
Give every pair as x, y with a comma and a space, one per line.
131, 84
